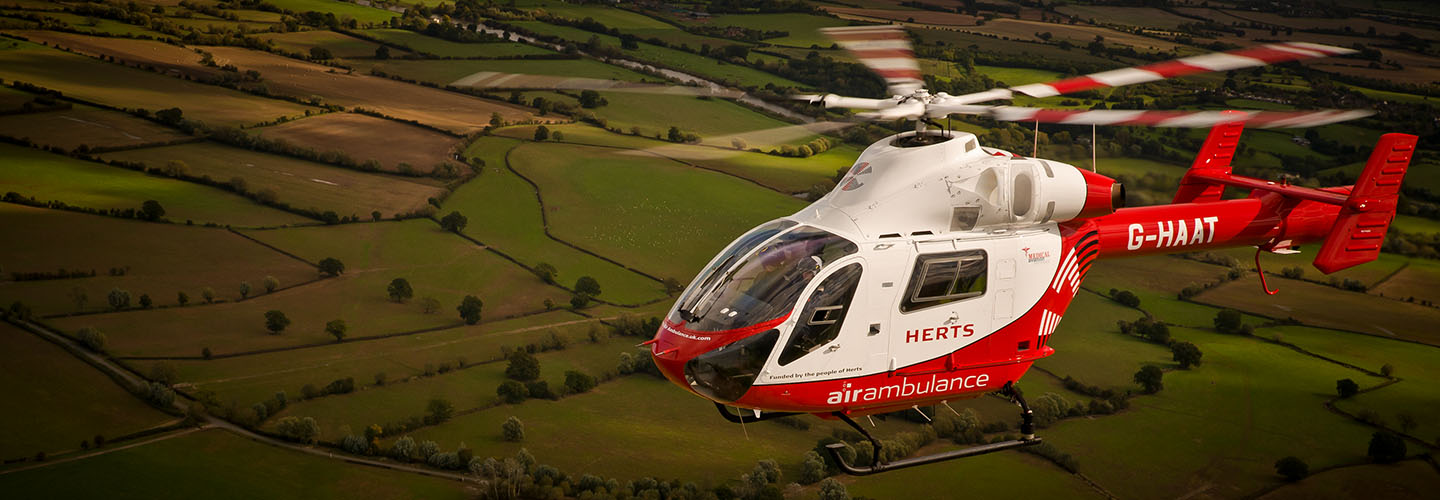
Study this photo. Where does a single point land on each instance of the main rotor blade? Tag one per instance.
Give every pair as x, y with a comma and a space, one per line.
885, 50
1192, 119
1262, 55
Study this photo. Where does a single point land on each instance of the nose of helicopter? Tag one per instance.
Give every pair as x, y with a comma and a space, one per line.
720, 367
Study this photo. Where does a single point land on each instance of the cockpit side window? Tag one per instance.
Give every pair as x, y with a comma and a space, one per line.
943, 278
824, 314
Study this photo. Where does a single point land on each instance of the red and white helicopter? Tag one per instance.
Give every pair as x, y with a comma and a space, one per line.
938, 268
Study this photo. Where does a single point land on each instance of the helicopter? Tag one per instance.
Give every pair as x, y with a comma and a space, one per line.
937, 269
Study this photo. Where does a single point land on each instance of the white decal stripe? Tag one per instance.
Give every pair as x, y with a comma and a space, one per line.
891, 63
1037, 90
1105, 117
1126, 76
1221, 61
1060, 275
876, 45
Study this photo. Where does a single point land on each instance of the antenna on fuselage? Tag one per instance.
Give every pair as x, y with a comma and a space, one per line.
1092, 149
1035, 149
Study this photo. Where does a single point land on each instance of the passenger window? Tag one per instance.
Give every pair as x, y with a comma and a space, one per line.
824, 314
943, 278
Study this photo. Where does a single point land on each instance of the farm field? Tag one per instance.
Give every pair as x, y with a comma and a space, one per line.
88, 126
445, 48
366, 138
1416, 280
1144, 17
456, 71
164, 58
715, 120
48, 176
103, 26
130, 88
1409, 479
631, 23
672, 58
401, 358
616, 204
469, 388
784, 174
513, 225
436, 264
437, 108
45, 377
930, 18
1004, 474
202, 464
1319, 305
1088, 333
1247, 405
342, 10
159, 259
342, 46
804, 28
299, 183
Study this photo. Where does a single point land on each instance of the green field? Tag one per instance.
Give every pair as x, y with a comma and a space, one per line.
342, 46
48, 176
299, 183
511, 222
88, 126
103, 26
1409, 479
204, 464
1010, 77
999, 475
399, 358
672, 58
342, 10
785, 174
114, 85
446, 72
1415, 282
715, 120
57, 413
1088, 333
804, 28
468, 388
631, 23
160, 259
435, 263
653, 214
446, 48
1322, 306
1221, 425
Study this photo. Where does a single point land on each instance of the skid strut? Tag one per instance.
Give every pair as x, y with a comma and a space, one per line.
1027, 431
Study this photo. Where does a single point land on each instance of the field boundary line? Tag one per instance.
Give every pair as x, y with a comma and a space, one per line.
677, 160
1387, 277
1193, 300
545, 222
103, 451
273, 247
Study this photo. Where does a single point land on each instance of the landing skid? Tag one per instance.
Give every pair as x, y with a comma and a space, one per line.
1027, 430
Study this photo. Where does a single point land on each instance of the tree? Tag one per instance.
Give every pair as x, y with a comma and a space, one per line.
208, 294
470, 308
546, 272
151, 210
320, 53
336, 328
578, 382
1228, 321
587, 286
513, 429
19, 310
119, 299
591, 99
454, 222
403, 449
1346, 387
244, 289
163, 373
382, 52
1150, 377
672, 286
1126, 298
496, 120
739, 143
430, 305
92, 339
542, 133
145, 301
1186, 354
1292, 468
331, 266
830, 489
439, 410
512, 392
270, 284
523, 367
182, 298
674, 134
399, 290
813, 469
297, 429
557, 136
1386, 447
275, 321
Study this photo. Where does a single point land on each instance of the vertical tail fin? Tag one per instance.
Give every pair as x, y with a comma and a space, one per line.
1214, 159
1359, 230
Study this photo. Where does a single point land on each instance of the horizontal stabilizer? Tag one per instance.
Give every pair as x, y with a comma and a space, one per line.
1213, 160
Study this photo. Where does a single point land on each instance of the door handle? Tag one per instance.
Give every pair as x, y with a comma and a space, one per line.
832, 348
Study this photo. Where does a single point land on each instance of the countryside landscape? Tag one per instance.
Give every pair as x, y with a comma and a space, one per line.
383, 249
